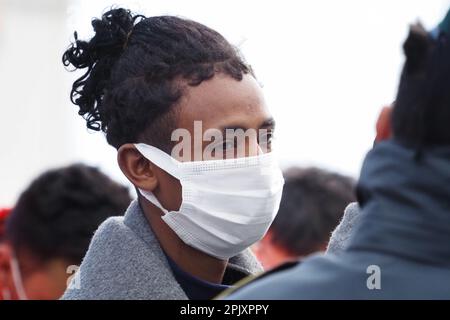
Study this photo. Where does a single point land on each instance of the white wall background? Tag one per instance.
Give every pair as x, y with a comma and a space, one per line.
327, 68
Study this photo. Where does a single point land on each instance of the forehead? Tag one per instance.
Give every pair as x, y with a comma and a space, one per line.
223, 102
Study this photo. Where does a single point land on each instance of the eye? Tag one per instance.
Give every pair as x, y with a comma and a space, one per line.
266, 138
229, 145
265, 141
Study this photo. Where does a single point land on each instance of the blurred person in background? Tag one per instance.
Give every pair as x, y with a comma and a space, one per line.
312, 205
3, 215
187, 236
396, 243
50, 228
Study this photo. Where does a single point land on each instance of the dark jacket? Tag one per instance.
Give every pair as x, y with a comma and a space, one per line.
402, 237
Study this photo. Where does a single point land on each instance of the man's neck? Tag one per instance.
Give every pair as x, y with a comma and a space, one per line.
190, 260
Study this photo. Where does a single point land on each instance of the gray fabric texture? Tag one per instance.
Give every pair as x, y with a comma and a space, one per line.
125, 261
341, 235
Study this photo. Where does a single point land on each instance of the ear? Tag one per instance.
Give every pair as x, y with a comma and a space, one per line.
384, 130
139, 170
7, 290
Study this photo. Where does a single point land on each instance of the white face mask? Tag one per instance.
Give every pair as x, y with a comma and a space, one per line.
227, 206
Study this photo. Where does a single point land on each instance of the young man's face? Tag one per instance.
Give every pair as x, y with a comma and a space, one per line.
220, 103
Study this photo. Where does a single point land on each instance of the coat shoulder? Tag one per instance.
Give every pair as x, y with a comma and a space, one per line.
120, 265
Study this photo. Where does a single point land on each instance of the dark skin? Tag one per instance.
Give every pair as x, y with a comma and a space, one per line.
220, 103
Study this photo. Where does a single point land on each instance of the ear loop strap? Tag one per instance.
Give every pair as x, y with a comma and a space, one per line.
163, 161
17, 278
151, 197
160, 159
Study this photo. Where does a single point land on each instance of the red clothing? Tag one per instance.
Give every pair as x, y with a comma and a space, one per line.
3, 215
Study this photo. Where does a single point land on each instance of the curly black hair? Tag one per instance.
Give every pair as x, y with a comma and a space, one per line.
56, 216
136, 69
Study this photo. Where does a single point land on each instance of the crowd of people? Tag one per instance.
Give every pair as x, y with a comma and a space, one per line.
213, 215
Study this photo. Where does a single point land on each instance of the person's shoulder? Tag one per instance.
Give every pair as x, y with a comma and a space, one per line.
340, 237
121, 264
103, 255
112, 225
312, 278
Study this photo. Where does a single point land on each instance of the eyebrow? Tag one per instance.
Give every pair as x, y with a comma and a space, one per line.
267, 124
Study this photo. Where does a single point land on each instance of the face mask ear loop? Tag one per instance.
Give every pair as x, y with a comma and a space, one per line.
17, 278
160, 159
163, 161
151, 197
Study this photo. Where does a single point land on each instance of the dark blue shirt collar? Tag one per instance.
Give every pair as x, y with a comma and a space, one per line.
195, 288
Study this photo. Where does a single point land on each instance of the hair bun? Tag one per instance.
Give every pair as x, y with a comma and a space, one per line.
98, 55
113, 29
111, 34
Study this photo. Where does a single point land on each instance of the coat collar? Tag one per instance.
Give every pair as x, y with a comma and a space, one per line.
239, 266
405, 203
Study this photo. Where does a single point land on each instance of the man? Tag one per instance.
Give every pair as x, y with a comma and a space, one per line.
398, 248
49, 230
312, 205
166, 91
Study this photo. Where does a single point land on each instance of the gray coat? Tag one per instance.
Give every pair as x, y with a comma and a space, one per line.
125, 261
340, 237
